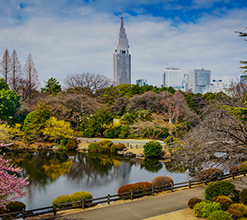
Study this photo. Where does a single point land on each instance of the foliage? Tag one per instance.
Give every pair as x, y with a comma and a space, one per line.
218, 188
62, 199
15, 206
56, 129
242, 166
162, 181
78, 196
8, 133
204, 209
3, 84
233, 169
120, 146
52, 86
243, 196
11, 186
224, 201
71, 144
135, 187
92, 147
239, 207
152, 165
104, 145
210, 174
234, 195
220, 215
113, 148
9, 103
152, 149
193, 201
235, 213
243, 34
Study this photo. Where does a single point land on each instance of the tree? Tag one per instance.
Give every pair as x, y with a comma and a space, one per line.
56, 129
3, 84
16, 71
31, 75
52, 86
90, 80
9, 103
243, 34
6, 65
7, 133
11, 186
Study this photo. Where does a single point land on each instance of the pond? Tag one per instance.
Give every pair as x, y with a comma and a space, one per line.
52, 174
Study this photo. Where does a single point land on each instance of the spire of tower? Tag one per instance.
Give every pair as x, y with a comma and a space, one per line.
121, 13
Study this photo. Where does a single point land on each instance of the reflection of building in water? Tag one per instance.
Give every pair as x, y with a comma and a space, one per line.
122, 173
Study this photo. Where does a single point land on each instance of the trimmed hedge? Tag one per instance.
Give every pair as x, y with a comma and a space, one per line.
235, 213
104, 145
243, 196
135, 187
220, 215
120, 146
242, 166
162, 181
210, 174
77, 196
205, 208
219, 188
62, 199
15, 206
152, 149
193, 201
239, 207
92, 147
224, 201
234, 169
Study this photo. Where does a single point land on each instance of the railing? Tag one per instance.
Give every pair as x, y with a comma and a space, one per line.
111, 198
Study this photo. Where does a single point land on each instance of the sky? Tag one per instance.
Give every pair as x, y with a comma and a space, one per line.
79, 36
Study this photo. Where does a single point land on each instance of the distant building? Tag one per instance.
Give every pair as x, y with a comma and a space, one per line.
218, 86
185, 82
243, 79
141, 82
198, 79
172, 77
122, 58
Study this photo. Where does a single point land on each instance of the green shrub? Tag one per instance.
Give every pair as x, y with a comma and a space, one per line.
110, 133
113, 148
193, 201
152, 149
104, 146
220, 215
210, 174
234, 195
135, 187
92, 147
243, 196
204, 209
239, 207
122, 136
224, 201
235, 213
61, 200
71, 145
120, 146
242, 166
234, 169
77, 196
63, 142
15, 206
219, 188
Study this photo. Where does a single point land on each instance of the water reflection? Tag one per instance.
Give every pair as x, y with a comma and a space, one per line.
59, 173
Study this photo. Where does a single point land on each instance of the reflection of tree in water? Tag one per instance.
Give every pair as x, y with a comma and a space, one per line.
152, 165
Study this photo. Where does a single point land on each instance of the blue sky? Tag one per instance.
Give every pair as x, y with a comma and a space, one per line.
75, 36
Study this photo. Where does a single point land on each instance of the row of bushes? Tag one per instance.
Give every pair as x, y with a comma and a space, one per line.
75, 197
105, 146
13, 206
221, 202
67, 144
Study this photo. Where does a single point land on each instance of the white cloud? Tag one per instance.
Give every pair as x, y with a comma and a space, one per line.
82, 39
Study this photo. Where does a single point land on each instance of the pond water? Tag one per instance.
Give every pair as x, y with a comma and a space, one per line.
52, 174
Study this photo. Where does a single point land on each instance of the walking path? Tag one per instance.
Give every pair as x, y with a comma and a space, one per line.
145, 207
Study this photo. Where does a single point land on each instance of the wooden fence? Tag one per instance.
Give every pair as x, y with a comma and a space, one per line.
111, 198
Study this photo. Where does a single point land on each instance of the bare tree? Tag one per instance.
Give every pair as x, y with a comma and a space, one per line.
31, 74
90, 80
6, 65
16, 72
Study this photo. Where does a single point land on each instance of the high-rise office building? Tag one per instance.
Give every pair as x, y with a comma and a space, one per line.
243, 79
198, 79
172, 77
122, 58
141, 82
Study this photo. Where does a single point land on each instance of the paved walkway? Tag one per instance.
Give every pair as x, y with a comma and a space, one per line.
145, 207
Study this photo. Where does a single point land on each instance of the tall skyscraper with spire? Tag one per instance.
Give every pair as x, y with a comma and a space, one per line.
121, 57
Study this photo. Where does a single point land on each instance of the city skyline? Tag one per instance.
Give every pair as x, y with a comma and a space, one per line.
66, 37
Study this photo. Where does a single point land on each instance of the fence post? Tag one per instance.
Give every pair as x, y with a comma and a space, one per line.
244, 172
136, 146
190, 184
233, 175
152, 190
108, 199
54, 209
83, 203
131, 194
23, 213
172, 187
